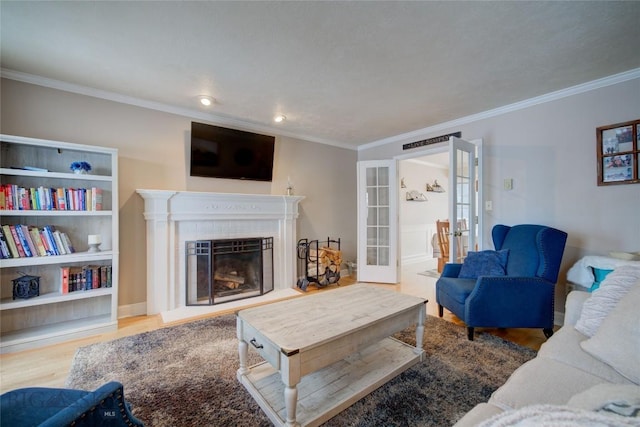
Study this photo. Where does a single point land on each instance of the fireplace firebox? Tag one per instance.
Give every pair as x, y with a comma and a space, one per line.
220, 271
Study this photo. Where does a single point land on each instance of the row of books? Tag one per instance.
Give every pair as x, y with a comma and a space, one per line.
21, 241
73, 279
14, 197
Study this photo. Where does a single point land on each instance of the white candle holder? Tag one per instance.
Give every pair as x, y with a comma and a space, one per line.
94, 241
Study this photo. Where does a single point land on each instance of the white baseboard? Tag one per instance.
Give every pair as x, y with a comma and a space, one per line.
130, 310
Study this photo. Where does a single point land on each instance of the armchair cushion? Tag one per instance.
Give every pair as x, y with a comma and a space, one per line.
484, 263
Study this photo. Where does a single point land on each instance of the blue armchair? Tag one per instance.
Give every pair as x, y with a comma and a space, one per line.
516, 294
55, 407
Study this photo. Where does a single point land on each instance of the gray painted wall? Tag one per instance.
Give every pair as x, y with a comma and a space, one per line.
550, 152
548, 149
153, 154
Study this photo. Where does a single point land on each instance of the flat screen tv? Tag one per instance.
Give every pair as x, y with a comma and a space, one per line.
218, 152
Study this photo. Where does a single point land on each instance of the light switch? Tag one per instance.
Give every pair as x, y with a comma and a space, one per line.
488, 205
508, 184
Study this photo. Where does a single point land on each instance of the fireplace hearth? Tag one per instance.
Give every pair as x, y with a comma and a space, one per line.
220, 271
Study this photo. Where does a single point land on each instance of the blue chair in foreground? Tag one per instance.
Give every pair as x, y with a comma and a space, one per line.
511, 287
56, 407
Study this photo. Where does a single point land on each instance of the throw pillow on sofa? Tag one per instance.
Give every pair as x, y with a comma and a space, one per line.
617, 341
599, 274
604, 299
622, 399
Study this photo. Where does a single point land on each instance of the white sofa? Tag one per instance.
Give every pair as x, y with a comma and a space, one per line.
590, 362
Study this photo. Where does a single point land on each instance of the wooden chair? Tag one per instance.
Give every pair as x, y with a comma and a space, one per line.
443, 242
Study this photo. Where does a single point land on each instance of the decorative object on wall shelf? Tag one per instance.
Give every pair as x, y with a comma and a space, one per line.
435, 187
80, 167
618, 153
289, 187
25, 287
415, 196
94, 241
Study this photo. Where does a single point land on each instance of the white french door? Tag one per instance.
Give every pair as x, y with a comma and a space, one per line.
463, 218
377, 221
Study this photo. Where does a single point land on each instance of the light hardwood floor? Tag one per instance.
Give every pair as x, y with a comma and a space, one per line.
49, 366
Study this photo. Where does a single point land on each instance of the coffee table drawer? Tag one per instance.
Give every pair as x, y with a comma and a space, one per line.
262, 345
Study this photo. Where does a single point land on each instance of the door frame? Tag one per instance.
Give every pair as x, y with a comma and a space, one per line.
443, 147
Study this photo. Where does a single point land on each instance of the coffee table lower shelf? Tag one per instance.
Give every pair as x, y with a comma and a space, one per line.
325, 393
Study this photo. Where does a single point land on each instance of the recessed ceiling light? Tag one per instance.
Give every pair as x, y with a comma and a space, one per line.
279, 118
206, 100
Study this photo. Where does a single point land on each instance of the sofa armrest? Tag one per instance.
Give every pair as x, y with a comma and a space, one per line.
104, 406
573, 306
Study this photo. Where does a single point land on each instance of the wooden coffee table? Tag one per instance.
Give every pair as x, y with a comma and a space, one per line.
324, 352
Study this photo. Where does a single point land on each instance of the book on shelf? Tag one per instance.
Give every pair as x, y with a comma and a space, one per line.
23, 241
66, 241
84, 278
37, 241
11, 241
14, 197
29, 240
6, 190
61, 199
64, 280
45, 242
16, 240
48, 234
87, 274
76, 282
97, 198
4, 246
92, 274
58, 241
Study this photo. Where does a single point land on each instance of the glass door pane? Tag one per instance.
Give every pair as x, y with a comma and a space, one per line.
377, 221
462, 175
378, 216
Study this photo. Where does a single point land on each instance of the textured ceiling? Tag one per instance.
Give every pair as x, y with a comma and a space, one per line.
345, 73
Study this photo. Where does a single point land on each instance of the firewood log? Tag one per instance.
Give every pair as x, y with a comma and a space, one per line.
229, 278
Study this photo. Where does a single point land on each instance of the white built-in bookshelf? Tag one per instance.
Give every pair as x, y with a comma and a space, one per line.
31, 166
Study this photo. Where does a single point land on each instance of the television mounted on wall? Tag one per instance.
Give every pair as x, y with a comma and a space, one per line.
218, 152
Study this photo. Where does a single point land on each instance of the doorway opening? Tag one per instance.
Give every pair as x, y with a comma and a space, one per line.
417, 218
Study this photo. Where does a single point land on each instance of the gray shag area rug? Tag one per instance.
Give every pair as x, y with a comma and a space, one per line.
186, 376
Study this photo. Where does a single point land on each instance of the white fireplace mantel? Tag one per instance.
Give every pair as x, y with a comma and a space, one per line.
175, 217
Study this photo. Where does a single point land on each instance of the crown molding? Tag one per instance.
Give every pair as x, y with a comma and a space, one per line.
158, 106
552, 96
259, 127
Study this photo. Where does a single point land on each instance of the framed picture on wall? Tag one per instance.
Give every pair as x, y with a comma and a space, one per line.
618, 153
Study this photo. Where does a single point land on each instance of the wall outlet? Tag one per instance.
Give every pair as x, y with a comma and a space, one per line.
508, 184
